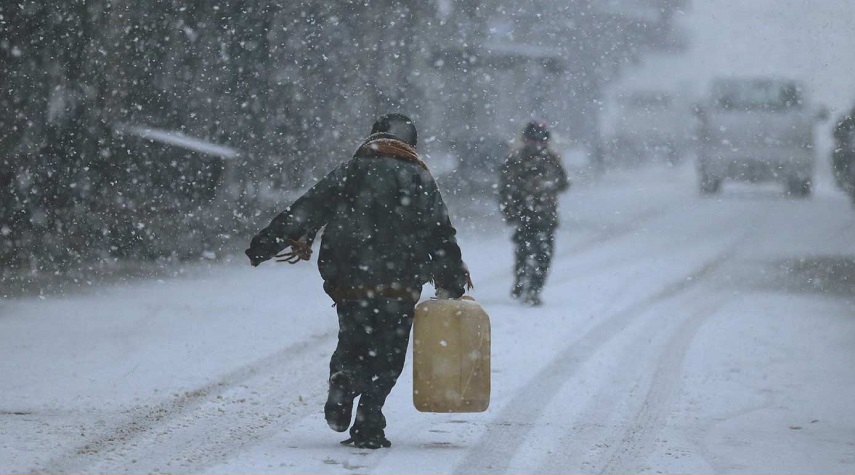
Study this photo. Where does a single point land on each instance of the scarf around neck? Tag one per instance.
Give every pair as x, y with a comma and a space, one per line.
386, 145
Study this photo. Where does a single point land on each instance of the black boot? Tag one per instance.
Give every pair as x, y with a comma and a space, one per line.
339, 407
374, 440
367, 432
517, 291
533, 300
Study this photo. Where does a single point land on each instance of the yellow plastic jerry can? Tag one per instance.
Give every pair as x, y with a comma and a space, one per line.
451, 356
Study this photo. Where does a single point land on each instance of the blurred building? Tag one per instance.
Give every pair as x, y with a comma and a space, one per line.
545, 59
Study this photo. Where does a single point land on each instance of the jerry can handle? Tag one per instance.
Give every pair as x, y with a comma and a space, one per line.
462, 297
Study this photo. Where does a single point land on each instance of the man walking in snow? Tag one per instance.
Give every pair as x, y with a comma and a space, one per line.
387, 233
529, 183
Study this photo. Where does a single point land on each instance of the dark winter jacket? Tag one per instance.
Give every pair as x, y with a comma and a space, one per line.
842, 156
845, 127
387, 227
529, 183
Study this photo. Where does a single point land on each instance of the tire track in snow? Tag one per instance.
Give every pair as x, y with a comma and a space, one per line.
598, 238
606, 235
514, 422
639, 435
707, 231
154, 429
718, 463
610, 427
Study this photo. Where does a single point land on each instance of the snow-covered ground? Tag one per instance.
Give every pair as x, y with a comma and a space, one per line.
680, 334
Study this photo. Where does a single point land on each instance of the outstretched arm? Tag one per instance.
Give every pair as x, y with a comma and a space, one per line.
508, 201
561, 182
302, 219
844, 127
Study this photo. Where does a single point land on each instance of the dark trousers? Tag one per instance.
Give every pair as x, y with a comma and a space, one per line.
534, 248
372, 345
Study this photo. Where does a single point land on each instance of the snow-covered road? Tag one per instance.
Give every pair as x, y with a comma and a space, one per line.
679, 334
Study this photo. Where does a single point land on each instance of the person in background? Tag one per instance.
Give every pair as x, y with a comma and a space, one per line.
387, 233
529, 183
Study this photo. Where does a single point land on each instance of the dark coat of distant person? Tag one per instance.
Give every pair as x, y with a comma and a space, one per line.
529, 184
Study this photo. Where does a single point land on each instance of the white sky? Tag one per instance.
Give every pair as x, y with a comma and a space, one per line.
811, 40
